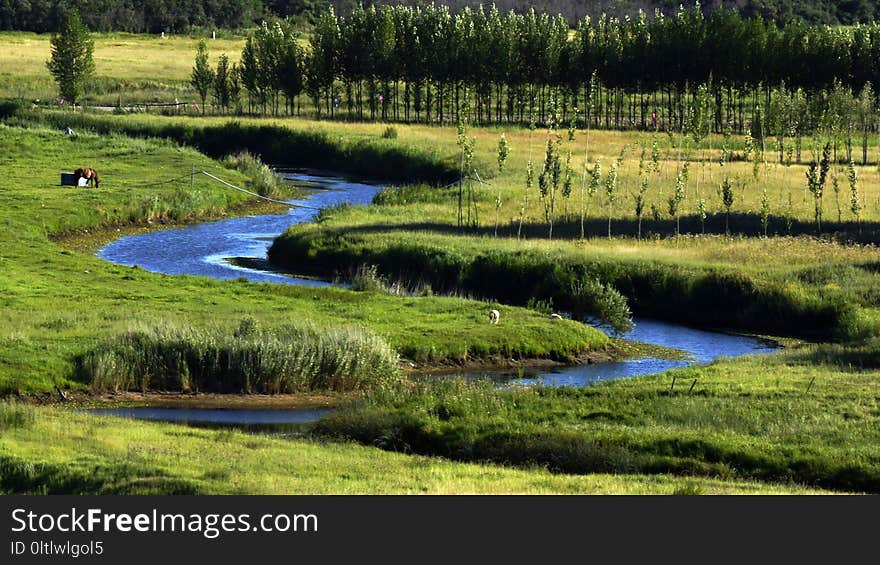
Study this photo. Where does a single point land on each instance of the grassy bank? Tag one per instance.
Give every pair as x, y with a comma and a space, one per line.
808, 416
91, 455
786, 286
308, 145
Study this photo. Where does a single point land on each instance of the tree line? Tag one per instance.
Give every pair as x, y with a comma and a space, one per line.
153, 16
175, 16
417, 64
830, 12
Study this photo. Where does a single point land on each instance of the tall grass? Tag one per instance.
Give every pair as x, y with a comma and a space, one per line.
368, 279
249, 359
756, 418
265, 181
15, 415
179, 206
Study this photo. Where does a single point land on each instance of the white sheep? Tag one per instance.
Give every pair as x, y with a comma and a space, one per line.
493, 316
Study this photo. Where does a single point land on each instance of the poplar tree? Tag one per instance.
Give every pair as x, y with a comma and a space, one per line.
71, 62
202, 77
503, 153
221, 83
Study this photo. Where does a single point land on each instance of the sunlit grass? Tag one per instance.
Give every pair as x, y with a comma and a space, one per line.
117, 456
809, 415
58, 304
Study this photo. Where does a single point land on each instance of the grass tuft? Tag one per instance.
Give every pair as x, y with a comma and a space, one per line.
265, 181
15, 415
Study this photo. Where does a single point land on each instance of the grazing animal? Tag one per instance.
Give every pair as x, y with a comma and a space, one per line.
493, 316
91, 175
555, 317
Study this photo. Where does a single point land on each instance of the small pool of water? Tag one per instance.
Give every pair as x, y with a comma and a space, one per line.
233, 417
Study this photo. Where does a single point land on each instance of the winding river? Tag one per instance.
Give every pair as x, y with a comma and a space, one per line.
214, 249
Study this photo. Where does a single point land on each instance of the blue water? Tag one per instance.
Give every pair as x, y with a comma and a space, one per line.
206, 249
701, 346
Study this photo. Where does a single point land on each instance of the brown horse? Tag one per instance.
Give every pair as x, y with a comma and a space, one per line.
91, 175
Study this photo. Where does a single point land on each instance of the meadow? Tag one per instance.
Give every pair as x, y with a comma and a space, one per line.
725, 271
808, 416
59, 303
129, 68
94, 455
800, 421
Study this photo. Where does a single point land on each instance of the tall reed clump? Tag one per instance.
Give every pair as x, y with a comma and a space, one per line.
180, 205
16, 415
266, 182
249, 360
367, 279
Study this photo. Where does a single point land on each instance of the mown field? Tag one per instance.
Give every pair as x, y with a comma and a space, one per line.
129, 68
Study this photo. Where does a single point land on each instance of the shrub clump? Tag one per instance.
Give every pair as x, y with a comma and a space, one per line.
600, 303
248, 359
368, 279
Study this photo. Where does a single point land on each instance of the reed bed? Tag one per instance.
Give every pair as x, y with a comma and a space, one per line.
294, 358
15, 415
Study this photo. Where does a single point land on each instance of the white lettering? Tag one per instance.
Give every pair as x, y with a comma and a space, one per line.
94, 518
19, 520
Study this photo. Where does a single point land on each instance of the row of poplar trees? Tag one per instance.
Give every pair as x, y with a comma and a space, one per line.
414, 64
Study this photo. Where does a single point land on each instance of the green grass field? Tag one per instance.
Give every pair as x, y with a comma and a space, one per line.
92, 455
769, 424
129, 68
809, 416
58, 304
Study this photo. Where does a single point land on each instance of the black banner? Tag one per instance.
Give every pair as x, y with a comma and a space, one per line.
258, 529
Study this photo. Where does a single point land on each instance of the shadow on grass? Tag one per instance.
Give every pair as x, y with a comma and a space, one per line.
738, 224
24, 477
851, 359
